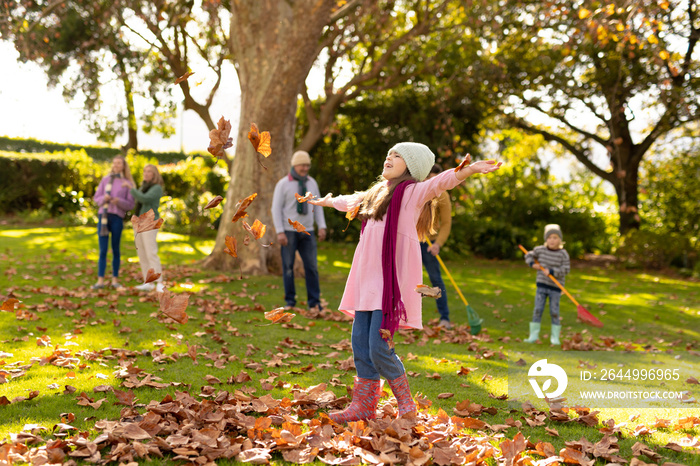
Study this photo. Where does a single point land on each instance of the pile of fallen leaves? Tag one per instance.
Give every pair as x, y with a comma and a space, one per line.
220, 424
252, 429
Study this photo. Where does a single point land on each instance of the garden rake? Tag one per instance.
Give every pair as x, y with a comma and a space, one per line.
472, 317
583, 313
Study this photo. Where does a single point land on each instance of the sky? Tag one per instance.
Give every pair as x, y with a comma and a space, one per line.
33, 110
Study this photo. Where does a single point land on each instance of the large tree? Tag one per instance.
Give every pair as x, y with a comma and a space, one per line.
274, 44
383, 45
604, 79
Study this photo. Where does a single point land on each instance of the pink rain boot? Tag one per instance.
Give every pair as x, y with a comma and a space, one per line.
365, 396
402, 393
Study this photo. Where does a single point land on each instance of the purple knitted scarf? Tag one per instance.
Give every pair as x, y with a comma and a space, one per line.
393, 309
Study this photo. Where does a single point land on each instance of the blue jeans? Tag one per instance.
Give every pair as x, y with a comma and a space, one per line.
372, 355
540, 300
306, 245
432, 266
115, 225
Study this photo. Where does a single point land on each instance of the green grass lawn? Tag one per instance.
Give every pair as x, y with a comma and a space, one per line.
84, 339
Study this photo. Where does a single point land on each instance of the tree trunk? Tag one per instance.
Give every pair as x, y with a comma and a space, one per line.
274, 43
132, 126
627, 189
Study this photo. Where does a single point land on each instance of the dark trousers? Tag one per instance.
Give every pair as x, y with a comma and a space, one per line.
306, 245
115, 225
432, 266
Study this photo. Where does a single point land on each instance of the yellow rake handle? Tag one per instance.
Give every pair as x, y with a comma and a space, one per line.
447, 272
552, 278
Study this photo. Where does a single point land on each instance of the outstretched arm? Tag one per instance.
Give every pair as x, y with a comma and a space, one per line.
482, 166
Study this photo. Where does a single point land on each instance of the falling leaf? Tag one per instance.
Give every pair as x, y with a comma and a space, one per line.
174, 305
219, 140
279, 316
298, 226
146, 222
260, 141
431, 292
467, 160
583, 13
307, 197
386, 336
257, 230
183, 77
214, 202
231, 246
242, 206
350, 215
151, 276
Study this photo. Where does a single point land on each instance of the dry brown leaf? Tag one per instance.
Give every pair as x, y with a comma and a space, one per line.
219, 139
431, 292
298, 226
151, 276
256, 230
260, 141
242, 206
307, 197
9, 305
279, 316
467, 160
231, 246
174, 305
214, 202
146, 222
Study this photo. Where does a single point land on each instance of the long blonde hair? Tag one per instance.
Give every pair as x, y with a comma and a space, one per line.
126, 171
158, 179
376, 199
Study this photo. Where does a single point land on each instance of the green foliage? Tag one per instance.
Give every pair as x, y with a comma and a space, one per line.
98, 153
670, 189
655, 250
496, 213
62, 184
62, 200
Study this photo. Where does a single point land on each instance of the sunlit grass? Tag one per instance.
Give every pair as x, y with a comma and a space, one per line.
628, 302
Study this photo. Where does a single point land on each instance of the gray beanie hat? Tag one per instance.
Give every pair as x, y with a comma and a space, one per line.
552, 229
419, 159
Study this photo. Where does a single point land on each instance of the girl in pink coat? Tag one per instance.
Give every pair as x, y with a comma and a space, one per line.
395, 214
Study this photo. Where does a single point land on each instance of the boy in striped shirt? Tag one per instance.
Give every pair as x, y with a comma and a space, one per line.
554, 260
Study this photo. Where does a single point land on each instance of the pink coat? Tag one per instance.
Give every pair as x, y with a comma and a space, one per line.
363, 290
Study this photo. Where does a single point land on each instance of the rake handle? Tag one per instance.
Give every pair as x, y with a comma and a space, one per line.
447, 272
552, 278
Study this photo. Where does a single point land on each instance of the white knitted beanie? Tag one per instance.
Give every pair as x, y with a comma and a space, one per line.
301, 157
419, 159
552, 229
